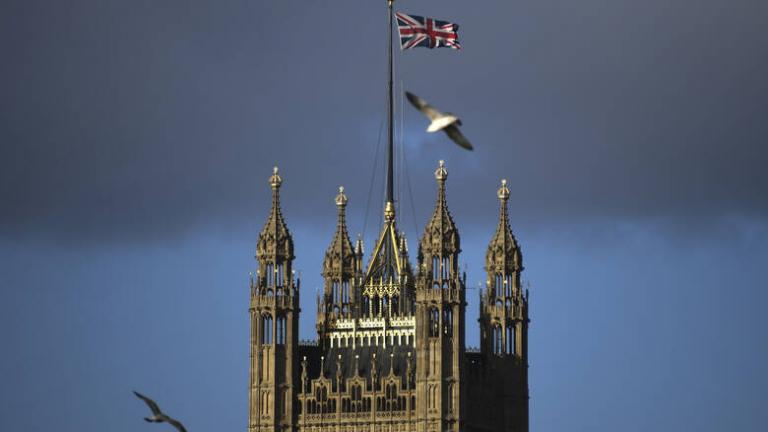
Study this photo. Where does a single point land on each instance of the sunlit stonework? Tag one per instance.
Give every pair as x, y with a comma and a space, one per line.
390, 352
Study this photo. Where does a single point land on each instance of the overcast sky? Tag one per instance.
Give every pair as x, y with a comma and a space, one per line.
136, 139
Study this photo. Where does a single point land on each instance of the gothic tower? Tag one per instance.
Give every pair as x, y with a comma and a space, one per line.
440, 303
341, 273
274, 313
504, 321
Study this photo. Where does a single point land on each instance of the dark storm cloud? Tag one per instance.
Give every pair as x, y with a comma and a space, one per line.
145, 119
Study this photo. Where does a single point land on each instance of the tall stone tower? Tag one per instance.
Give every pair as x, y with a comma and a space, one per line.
274, 314
440, 303
504, 321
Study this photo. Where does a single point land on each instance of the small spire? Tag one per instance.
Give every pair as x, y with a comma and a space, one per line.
275, 241
440, 234
503, 256
339, 253
359, 245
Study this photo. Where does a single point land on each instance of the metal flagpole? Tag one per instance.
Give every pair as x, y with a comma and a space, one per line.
389, 210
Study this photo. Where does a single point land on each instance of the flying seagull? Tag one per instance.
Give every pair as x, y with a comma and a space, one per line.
157, 415
445, 122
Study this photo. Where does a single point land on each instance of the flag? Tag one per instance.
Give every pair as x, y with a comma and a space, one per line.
416, 31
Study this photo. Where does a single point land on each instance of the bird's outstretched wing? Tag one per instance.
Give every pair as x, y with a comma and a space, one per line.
150, 403
423, 106
455, 134
177, 424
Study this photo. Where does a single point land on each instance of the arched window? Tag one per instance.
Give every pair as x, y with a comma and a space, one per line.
448, 322
279, 275
335, 292
281, 330
497, 286
496, 339
266, 329
435, 267
508, 286
270, 274
345, 292
366, 306
511, 339
446, 267
434, 322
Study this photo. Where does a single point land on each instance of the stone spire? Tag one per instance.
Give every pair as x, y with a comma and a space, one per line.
275, 243
440, 244
503, 256
441, 238
340, 257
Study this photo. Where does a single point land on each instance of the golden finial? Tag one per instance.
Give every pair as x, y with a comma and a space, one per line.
274, 180
341, 199
503, 192
441, 173
389, 211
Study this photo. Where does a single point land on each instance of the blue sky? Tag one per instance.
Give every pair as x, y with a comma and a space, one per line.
136, 140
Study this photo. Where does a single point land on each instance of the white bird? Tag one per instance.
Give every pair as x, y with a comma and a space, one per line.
445, 122
157, 415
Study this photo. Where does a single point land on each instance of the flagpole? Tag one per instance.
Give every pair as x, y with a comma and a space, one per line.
389, 210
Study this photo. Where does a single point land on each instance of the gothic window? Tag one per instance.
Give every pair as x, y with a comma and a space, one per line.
508, 286
357, 398
391, 397
497, 285
434, 322
366, 306
446, 267
395, 305
451, 391
345, 292
279, 276
511, 340
270, 274
281, 321
375, 305
496, 339
448, 322
435, 267
266, 329
335, 292
321, 396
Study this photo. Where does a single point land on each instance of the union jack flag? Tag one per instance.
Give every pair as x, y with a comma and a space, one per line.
416, 31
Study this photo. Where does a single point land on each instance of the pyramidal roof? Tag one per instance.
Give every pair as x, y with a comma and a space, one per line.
503, 254
440, 235
275, 239
339, 257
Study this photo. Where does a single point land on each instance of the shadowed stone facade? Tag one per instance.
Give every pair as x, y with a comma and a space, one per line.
390, 354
